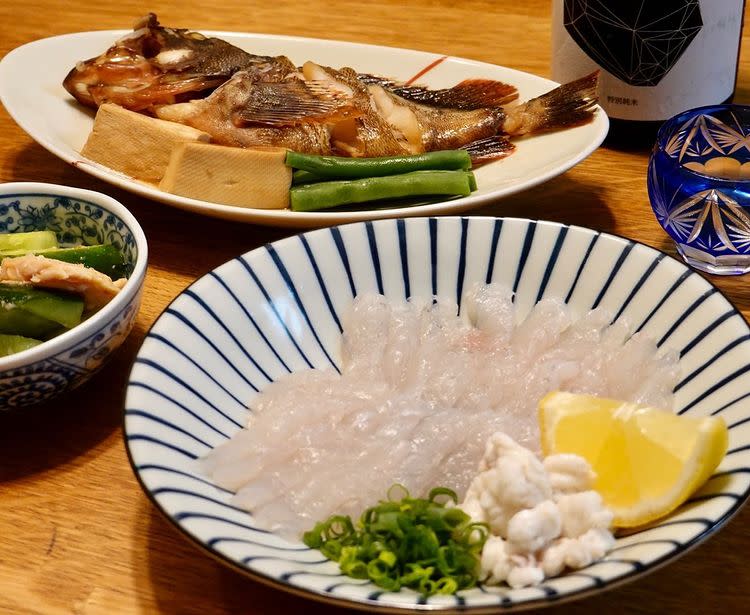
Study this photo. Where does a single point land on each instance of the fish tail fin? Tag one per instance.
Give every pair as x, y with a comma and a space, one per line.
489, 149
568, 105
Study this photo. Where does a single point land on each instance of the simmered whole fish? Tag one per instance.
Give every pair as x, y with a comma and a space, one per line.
308, 112
245, 100
158, 65
324, 110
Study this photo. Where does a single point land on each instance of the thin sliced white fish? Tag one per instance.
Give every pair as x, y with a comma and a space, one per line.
420, 391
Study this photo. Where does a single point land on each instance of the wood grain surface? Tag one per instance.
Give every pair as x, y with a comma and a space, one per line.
77, 535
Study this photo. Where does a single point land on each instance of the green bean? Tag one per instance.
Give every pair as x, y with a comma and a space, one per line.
300, 176
323, 195
335, 167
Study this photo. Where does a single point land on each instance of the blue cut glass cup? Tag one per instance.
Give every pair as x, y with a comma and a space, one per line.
699, 186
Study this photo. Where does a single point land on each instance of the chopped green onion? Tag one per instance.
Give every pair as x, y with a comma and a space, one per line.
438, 491
446, 585
406, 542
389, 557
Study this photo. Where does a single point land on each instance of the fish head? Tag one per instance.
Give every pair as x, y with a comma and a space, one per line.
155, 65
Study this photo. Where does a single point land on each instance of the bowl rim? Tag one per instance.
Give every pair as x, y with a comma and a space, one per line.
109, 312
668, 127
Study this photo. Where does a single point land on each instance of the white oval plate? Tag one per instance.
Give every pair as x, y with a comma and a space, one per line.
277, 309
32, 93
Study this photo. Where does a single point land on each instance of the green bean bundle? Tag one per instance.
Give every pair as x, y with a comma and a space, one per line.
323, 182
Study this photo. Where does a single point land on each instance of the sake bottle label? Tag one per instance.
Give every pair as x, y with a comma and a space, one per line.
657, 57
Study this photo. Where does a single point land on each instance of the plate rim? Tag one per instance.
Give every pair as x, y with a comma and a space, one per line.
285, 217
373, 605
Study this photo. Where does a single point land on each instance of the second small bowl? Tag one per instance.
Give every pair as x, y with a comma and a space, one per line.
699, 186
80, 217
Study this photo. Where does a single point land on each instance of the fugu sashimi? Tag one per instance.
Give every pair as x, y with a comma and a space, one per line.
421, 389
288, 413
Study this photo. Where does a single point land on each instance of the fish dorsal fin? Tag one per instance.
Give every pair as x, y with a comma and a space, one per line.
467, 95
293, 102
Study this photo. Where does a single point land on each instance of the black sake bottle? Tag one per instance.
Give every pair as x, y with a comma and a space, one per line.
656, 57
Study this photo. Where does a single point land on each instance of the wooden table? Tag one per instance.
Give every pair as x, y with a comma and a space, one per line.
77, 535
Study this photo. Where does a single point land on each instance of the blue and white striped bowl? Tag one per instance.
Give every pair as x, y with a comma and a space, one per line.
277, 309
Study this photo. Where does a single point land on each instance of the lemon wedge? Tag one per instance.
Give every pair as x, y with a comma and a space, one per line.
647, 461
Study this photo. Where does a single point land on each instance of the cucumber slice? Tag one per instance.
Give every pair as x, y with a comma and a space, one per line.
58, 307
17, 321
27, 242
11, 344
64, 309
104, 258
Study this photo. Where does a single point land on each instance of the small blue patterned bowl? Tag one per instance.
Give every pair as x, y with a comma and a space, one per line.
699, 186
78, 217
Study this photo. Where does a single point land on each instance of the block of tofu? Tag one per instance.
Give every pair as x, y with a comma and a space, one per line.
256, 178
135, 144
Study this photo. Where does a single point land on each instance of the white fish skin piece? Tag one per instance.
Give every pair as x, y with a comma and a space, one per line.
542, 328
635, 368
489, 307
400, 351
577, 356
365, 335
